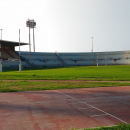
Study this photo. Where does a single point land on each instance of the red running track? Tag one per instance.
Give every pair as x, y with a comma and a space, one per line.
64, 109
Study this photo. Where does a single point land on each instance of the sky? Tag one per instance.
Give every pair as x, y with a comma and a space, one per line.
68, 25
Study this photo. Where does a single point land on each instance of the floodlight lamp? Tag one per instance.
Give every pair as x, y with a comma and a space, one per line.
31, 23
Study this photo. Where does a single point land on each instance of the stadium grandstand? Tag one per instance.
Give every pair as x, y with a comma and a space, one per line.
10, 57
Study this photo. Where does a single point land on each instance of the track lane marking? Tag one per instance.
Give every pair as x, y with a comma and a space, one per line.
92, 107
98, 115
84, 108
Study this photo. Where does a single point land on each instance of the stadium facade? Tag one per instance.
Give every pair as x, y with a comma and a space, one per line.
10, 57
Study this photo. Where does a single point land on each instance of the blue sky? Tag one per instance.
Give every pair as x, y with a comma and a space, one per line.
68, 25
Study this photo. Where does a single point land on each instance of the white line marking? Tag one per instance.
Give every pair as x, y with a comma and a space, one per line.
85, 108
93, 107
74, 103
99, 115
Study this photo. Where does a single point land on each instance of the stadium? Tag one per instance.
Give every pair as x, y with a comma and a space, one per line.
77, 93
10, 58
77, 77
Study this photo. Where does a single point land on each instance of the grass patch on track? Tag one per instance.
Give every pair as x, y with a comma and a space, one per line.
118, 127
15, 86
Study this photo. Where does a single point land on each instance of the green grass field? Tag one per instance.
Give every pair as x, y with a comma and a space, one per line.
101, 73
107, 75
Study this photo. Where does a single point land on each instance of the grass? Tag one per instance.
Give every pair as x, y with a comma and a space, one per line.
15, 86
118, 127
85, 73
101, 73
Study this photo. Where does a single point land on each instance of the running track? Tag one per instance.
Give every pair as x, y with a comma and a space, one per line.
64, 109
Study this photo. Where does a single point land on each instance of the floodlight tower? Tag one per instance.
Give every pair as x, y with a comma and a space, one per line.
31, 24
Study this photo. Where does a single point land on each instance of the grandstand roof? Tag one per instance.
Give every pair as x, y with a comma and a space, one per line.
11, 43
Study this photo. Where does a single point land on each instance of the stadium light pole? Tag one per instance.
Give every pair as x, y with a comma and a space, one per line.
31, 24
106, 58
20, 66
0, 53
97, 59
92, 44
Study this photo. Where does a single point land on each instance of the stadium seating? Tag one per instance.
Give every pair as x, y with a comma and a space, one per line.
48, 59
14, 64
5, 55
